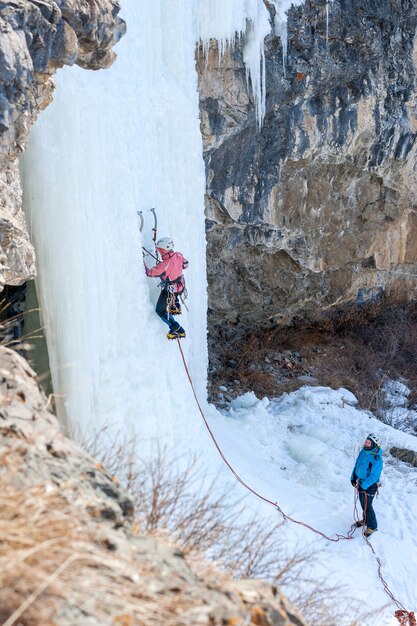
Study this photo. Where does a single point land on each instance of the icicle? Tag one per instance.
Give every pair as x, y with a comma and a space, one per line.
227, 22
282, 31
327, 24
254, 59
280, 24
328, 6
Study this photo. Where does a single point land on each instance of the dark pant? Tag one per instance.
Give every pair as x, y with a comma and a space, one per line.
161, 309
366, 499
12, 318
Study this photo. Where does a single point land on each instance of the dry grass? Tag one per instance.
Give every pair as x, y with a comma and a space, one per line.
28, 557
49, 560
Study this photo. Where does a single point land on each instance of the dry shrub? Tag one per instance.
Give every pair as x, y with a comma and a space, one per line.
115, 452
253, 345
264, 382
174, 497
204, 517
384, 338
349, 317
357, 347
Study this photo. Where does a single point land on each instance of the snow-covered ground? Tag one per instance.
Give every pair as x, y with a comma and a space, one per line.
299, 451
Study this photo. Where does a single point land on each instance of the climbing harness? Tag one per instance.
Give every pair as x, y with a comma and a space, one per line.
171, 302
404, 617
172, 297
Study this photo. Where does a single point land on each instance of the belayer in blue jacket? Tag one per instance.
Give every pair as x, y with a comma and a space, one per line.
365, 477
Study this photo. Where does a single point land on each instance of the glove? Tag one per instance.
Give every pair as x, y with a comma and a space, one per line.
353, 482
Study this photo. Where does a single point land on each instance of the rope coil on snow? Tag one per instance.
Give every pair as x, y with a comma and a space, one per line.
404, 617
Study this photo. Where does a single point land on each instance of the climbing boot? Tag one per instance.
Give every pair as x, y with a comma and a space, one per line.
359, 524
175, 310
368, 532
179, 333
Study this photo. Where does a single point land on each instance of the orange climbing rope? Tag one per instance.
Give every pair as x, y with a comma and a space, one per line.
404, 617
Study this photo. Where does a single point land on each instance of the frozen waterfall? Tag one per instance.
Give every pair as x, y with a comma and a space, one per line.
114, 142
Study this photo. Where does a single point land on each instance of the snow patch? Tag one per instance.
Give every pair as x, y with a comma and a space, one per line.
396, 393
396, 411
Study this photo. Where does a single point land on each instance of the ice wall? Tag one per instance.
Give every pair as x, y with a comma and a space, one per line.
111, 143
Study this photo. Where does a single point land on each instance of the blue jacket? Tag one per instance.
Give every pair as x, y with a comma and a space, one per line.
368, 467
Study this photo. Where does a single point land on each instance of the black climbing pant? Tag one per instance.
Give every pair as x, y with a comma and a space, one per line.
366, 499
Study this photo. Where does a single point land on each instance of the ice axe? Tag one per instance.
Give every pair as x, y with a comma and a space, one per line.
145, 250
155, 227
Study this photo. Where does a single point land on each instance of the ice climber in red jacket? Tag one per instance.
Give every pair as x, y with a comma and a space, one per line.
170, 271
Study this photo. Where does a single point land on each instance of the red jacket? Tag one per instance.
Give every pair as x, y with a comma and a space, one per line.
170, 269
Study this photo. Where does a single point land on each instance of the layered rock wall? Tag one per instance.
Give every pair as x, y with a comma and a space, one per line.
37, 37
318, 208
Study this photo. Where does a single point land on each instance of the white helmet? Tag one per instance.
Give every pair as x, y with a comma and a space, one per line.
165, 243
375, 439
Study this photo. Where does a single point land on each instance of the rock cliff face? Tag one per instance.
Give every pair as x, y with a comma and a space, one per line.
37, 37
70, 547
318, 208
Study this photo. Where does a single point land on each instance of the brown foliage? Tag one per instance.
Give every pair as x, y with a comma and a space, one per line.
357, 347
